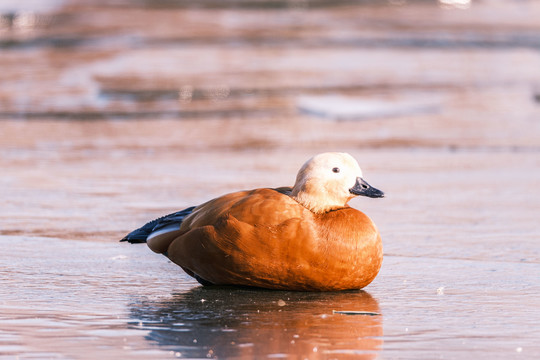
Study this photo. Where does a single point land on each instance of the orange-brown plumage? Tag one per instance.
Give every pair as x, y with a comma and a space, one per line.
268, 238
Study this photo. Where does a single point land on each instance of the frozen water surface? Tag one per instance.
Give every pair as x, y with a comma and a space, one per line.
78, 299
115, 113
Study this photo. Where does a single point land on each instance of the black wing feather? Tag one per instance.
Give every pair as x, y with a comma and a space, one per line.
141, 234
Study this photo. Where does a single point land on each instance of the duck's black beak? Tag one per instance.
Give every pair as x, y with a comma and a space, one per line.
363, 188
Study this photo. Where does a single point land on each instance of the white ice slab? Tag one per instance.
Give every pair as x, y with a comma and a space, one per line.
29, 6
353, 108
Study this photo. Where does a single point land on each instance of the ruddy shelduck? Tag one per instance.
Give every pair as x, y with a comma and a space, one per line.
300, 238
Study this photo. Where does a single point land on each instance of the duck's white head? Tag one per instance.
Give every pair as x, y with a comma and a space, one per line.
329, 180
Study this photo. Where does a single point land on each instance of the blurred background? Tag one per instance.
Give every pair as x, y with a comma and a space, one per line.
113, 113
162, 103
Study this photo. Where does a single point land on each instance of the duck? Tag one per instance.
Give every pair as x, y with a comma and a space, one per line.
304, 238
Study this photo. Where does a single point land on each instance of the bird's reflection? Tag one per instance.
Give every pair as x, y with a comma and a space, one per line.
224, 322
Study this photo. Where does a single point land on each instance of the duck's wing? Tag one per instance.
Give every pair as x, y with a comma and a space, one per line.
240, 237
162, 225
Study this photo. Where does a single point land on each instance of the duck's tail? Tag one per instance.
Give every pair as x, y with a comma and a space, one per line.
173, 220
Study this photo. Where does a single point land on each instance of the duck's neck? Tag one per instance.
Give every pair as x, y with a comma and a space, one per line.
318, 203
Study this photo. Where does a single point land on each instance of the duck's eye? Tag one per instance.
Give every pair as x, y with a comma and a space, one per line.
336, 169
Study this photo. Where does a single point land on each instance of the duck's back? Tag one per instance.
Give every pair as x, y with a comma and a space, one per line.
265, 238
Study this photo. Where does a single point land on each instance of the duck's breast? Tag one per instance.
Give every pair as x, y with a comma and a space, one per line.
353, 247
